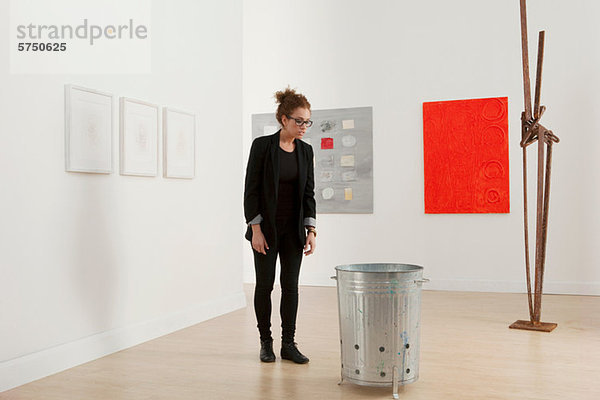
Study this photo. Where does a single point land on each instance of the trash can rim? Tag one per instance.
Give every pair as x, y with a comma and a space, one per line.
402, 269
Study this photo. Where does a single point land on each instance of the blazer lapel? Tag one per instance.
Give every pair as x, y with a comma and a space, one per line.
275, 162
302, 167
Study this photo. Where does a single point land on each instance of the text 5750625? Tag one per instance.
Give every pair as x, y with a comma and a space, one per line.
28, 46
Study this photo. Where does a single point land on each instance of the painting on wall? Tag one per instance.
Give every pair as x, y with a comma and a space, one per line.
139, 137
179, 144
89, 116
465, 145
342, 141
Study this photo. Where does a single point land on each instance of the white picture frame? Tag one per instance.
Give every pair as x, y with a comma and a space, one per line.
179, 144
139, 136
89, 121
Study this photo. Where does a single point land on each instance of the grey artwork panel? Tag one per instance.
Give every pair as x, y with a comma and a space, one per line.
342, 140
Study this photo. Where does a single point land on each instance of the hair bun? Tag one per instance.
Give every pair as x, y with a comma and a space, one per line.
281, 95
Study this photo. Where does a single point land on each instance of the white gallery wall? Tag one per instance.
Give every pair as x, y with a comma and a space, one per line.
395, 55
90, 263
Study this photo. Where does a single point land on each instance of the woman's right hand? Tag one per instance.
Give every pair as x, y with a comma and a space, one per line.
259, 243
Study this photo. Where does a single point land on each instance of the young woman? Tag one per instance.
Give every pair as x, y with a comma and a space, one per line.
280, 210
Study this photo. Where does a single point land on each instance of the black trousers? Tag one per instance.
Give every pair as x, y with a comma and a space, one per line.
290, 257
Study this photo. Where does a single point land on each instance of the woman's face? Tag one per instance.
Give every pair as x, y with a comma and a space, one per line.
290, 122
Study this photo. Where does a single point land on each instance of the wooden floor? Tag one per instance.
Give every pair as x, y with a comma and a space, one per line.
467, 352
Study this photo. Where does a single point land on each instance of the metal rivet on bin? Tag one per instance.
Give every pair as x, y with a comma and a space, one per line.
357, 371
382, 374
382, 349
356, 346
407, 345
408, 370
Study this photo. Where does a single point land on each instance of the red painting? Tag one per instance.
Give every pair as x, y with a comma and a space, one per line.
326, 143
466, 156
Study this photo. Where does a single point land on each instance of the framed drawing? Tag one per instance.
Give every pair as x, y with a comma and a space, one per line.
89, 120
179, 144
138, 137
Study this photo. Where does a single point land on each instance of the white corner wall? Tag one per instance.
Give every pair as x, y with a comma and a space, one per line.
394, 55
91, 264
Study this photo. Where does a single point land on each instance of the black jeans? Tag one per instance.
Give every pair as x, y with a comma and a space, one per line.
290, 258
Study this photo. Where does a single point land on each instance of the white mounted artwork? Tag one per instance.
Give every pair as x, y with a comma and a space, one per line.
139, 137
179, 148
89, 120
348, 124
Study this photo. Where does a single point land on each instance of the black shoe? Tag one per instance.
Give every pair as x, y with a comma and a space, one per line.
289, 351
266, 351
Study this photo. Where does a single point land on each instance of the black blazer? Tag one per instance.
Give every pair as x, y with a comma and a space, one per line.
262, 184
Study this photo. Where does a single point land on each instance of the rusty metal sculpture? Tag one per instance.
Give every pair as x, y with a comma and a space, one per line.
531, 131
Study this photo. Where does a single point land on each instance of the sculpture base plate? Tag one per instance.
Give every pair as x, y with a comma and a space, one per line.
530, 326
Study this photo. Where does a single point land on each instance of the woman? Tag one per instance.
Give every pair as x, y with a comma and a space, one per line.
280, 210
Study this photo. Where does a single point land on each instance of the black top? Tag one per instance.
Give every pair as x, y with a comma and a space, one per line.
287, 198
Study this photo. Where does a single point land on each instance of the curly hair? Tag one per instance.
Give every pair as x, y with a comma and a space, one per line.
288, 101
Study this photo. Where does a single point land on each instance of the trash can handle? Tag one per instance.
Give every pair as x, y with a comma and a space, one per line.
422, 280
333, 277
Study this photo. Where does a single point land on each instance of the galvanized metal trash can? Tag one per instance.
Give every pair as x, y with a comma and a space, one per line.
379, 312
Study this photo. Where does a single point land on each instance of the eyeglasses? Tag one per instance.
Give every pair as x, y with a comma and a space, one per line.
300, 121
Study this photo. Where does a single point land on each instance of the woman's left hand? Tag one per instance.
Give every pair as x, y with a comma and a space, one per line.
311, 242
